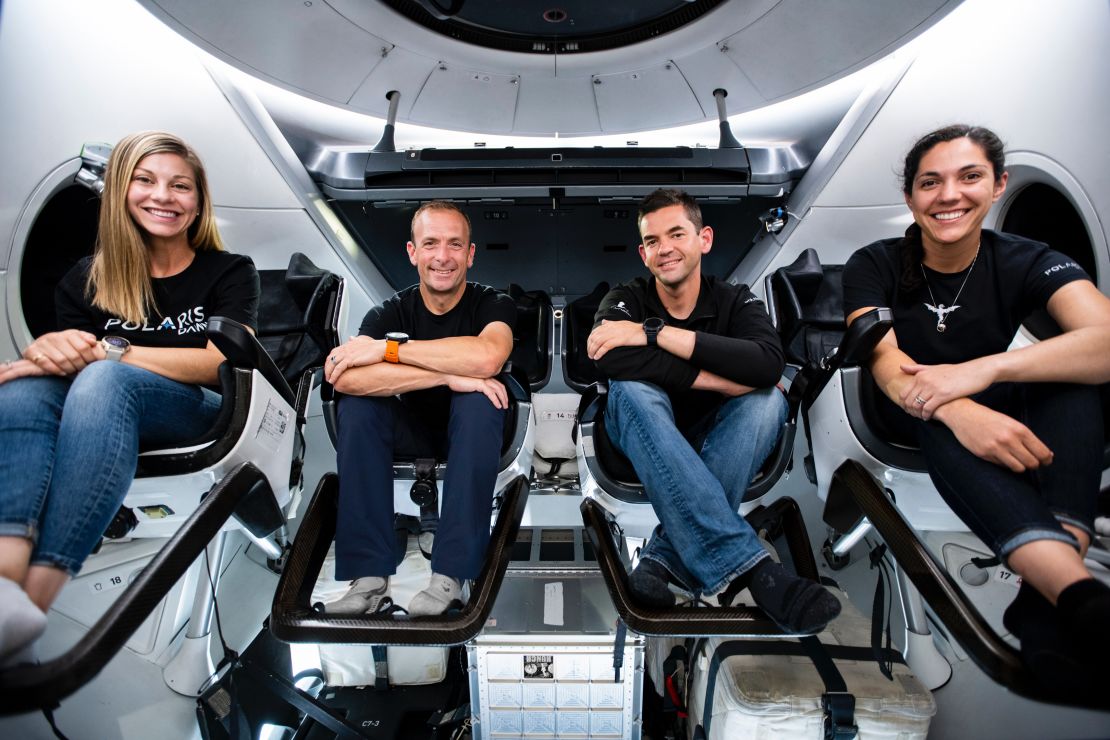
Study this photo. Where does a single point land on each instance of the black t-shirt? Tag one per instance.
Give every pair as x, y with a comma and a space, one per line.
734, 339
214, 284
405, 311
1012, 278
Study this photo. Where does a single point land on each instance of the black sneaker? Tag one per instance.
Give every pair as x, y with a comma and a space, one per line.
649, 583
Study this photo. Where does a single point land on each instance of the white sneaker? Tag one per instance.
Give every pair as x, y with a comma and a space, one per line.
363, 597
437, 597
21, 622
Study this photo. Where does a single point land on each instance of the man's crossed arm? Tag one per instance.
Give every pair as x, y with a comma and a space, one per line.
464, 364
610, 335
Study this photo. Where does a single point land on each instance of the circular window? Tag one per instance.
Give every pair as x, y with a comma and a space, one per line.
1041, 212
63, 232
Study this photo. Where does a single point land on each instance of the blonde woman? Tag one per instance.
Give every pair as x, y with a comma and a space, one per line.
130, 366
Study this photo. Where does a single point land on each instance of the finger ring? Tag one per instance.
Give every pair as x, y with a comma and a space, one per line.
37, 357
333, 360
920, 400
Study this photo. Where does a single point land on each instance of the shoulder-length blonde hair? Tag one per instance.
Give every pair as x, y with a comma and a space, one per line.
119, 280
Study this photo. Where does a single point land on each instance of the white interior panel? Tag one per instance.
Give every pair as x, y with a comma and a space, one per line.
770, 54
709, 69
1033, 105
482, 101
144, 77
575, 114
659, 93
303, 44
400, 70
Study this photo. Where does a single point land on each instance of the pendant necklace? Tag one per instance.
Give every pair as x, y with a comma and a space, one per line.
940, 309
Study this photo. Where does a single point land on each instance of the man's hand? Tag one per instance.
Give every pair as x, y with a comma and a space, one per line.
19, 369
357, 352
612, 334
995, 437
64, 352
933, 386
493, 389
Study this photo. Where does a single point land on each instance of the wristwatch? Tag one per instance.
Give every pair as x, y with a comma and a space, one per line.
393, 342
652, 327
115, 347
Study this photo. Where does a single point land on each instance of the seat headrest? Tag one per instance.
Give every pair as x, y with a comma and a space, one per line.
804, 274
302, 278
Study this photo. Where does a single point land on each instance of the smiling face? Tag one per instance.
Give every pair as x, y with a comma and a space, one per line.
441, 251
952, 192
162, 196
672, 246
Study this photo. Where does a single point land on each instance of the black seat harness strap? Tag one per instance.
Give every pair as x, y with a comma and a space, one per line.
880, 621
837, 702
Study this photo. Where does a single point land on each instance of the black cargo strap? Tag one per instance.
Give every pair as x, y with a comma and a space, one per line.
880, 622
381, 667
618, 649
837, 702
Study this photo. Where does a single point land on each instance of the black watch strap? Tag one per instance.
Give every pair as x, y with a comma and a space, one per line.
652, 327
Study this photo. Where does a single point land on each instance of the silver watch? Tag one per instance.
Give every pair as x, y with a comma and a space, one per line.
115, 347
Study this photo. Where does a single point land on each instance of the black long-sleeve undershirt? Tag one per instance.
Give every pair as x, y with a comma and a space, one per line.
734, 337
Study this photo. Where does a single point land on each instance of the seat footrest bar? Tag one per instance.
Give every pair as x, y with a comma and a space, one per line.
293, 619
679, 621
991, 653
27, 687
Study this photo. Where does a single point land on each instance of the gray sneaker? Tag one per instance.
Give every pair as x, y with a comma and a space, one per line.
363, 597
437, 597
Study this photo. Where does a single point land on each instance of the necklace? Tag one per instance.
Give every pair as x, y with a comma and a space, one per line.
940, 309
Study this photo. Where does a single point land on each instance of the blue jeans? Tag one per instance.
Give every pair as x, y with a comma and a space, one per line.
702, 539
1005, 509
69, 448
371, 430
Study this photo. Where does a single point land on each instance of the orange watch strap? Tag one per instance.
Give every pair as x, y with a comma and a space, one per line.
391, 351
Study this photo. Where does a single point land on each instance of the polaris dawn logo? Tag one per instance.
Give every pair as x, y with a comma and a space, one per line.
1064, 266
188, 322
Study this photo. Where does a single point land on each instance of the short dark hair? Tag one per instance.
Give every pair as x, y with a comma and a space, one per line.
665, 197
986, 139
439, 205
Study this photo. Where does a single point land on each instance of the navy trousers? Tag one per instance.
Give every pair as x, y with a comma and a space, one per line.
371, 431
1006, 509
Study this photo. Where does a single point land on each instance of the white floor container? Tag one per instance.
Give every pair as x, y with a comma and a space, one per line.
353, 665
780, 696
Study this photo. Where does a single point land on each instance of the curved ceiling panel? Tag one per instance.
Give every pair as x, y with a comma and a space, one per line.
299, 44
352, 52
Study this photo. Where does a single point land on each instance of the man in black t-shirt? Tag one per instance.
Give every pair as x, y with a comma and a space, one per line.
693, 363
419, 380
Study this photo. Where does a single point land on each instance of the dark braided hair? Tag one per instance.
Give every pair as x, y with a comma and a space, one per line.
913, 251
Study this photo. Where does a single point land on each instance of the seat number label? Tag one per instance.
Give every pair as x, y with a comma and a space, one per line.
1001, 575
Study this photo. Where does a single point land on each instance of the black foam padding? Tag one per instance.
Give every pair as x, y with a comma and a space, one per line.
579, 371
532, 339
